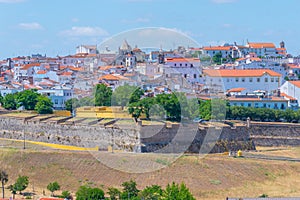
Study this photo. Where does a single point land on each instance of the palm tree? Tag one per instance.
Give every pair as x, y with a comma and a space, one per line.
3, 179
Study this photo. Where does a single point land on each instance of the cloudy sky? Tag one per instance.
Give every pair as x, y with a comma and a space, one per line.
56, 27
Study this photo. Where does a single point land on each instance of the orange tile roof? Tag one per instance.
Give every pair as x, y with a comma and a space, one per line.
27, 66
281, 49
217, 48
287, 96
1, 79
182, 59
109, 77
295, 83
239, 72
66, 73
236, 89
41, 72
261, 45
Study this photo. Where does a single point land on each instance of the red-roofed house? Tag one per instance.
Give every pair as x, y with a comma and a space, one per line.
253, 79
262, 48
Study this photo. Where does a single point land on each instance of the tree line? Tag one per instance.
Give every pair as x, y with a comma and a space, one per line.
129, 191
29, 100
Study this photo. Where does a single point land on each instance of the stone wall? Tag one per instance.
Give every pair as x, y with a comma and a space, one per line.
275, 134
83, 136
154, 138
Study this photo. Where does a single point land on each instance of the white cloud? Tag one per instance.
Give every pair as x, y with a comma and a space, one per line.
11, 1
30, 26
84, 31
223, 1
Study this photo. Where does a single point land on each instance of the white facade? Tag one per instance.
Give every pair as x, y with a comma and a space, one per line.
189, 68
251, 80
90, 49
291, 88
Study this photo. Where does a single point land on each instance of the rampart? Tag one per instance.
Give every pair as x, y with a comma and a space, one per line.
162, 138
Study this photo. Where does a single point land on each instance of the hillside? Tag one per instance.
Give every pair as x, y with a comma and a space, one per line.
213, 177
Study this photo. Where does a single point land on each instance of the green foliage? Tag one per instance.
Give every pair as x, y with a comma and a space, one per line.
142, 106
114, 193
102, 95
1, 99
176, 192
86, 101
153, 192
129, 190
217, 58
171, 105
21, 184
52, 187
123, 95
66, 194
44, 105
3, 179
27, 98
72, 104
205, 109
9, 102
88, 193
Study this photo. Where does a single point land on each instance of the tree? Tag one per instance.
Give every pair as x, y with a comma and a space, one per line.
102, 95
123, 95
72, 104
3, 179
176, 192
142, 106
114, 193
52, 187
217, 58
21, 183
44, 105
13, 190
66, 194
153, 192
129, 190
87, 193
27, 98
9, 102
1, 99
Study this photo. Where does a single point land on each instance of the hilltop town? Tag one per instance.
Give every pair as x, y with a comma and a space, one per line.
258, 75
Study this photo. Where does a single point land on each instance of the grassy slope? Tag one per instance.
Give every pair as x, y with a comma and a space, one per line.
214, 177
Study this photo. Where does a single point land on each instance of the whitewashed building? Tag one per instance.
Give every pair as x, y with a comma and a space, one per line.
189, 68
253, 79
292, 89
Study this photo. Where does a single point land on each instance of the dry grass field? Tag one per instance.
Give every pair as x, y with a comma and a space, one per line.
215, 176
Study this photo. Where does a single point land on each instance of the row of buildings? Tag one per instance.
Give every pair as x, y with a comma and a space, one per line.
256, 75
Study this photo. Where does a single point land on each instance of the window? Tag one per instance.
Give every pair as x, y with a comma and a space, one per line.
250, 79
185, 75
175, 65
277, 80
258, 80
249, 104
264, 105
227, 79
236, 79
266, 79
186, 64
243, 79
192, 65
180, 65
256, 105
242, 104
272, 79
195, 75
56, 101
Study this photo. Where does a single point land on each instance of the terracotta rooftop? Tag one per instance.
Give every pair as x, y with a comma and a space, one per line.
261, 45
239, 72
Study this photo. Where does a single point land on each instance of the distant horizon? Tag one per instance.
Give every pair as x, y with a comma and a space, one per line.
57, 27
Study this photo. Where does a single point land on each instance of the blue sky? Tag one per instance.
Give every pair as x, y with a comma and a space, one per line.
56, 27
